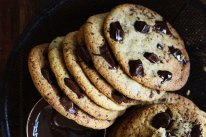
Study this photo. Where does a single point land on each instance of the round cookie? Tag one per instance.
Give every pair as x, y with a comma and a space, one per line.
147, 47
42, 78
100, 83
72, 64
71, 88
162, 120
107, 67
172, 98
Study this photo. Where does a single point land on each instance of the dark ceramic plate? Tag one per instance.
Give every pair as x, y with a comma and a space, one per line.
62, 16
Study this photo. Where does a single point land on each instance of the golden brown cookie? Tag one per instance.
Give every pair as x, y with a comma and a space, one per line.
42, 78
70, 87
163, 120
105, 63
147, 47
100, 83
72, 64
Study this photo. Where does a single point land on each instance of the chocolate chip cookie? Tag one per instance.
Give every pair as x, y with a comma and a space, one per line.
72, 64
100, 83
106, 65
147, 47
46, 85
163, 120
71, 88
172, 98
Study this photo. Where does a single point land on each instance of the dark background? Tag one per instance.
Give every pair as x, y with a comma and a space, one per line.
14, 16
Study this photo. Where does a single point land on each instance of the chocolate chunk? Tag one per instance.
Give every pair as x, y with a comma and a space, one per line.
68, 105
165, 75
136, 68
74, 87
177, 54
161, 120
162, 27
168, 111
141, 26
196, 131
153, 58
83, 53
61, 123
106, 54
47, 122
46, 72
151, 94
159, 46
116, 31
118, 97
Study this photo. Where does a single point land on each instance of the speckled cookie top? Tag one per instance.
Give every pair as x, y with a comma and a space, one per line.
95, 77
45, 83
106, 65
73, 66
163, 120
147, 47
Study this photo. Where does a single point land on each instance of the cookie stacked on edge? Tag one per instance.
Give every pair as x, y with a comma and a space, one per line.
128, 56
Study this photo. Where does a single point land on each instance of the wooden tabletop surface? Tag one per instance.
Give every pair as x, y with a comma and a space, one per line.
14, 16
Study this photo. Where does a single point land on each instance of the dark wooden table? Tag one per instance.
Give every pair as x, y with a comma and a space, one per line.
14, 16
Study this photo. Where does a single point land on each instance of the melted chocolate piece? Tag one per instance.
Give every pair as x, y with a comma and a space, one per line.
177, 54
162, 27
136, 68
196, 131
162, 119
151, 94
116, 32
47, 74
106, 54
83, 53
141, 26
153, 58
74, 87
165, 75
46, 122
159, 46
68, 105
168, 111
118, 97
48, 127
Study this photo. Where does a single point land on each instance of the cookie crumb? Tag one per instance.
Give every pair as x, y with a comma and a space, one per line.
188, 92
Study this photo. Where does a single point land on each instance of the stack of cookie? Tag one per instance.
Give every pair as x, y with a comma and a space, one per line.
128, 56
